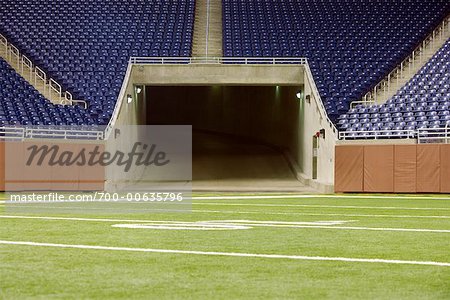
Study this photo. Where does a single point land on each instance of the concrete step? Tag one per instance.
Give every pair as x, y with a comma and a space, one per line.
207, 39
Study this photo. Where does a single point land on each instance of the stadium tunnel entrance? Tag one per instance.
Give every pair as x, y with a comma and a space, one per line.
254, 126
241, 134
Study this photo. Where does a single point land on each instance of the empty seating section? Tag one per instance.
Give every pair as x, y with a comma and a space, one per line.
21, 104
85, 45
424, 102
351, 44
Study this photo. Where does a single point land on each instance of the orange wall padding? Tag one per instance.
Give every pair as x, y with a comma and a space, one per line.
428, 169
2, 166
379, 169
387, 169
405, 169
349, 169
445, 168
16, 176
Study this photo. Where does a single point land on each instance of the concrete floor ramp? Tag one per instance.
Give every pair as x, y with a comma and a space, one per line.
227, 163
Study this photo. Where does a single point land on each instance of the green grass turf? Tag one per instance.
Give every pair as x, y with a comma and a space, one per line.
38, 272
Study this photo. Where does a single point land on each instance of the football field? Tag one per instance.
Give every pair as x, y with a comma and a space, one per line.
235, 247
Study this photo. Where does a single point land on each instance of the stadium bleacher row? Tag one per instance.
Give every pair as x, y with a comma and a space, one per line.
348, 53
85, 45
424, 102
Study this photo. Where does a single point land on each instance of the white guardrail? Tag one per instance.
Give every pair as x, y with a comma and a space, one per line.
376, 134
423, 135
21, 133
218, 60
438, 135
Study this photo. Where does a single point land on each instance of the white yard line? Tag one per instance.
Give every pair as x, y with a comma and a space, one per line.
183, 226
323, 206
355, 228
333, 222
314, 214
229, 254
294, 196
224, 225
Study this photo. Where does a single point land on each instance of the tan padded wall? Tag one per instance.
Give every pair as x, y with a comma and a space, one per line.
14, 166
399, 168
92, 178
2, 166
36, 178
405, 168
428, 169
445, 168
379, 169
16, 176
349, 168
63, 178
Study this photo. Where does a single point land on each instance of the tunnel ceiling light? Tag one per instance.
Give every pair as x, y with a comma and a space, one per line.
129, 99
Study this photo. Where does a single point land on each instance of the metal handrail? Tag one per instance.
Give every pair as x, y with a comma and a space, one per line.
353, 104
26, 63
433, 135
447, 134
422, 134
38, 73
377, 134
13, 51
68, 98
33, 133
12, 133
4, 42
217, 60
55, 87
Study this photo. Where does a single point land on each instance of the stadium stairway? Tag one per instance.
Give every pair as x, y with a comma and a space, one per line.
29, 76
21, 104
410, 70
207, 38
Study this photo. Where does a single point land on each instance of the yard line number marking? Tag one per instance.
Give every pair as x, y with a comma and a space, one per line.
229, 224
